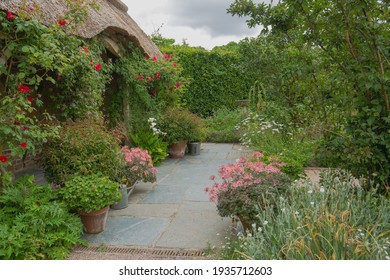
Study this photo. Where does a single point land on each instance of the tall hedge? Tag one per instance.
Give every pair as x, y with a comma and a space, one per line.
217, 79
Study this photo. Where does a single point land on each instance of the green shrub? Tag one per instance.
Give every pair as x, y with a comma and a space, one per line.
83, 148
34, 224
338, 220
181, 124
221, 127
151, 142
90, 193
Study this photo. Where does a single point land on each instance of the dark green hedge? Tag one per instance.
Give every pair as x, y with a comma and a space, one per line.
217, 79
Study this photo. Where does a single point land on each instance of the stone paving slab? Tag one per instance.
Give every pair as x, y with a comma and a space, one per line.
126, 230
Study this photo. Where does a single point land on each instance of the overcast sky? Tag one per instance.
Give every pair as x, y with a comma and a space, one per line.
201, 22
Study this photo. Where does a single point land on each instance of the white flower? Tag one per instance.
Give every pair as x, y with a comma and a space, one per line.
312, 203
310, 192
296, 213
322, 190
265, 222
259, 229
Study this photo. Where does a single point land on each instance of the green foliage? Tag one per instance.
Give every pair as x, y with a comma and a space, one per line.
221, 127
339, 54
285, 142
45, 72
34, 224
147, 87
83, 148
147, 140
181, 124
339, 221
90, 193
216, 77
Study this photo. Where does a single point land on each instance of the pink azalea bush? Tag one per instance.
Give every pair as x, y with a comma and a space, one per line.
139, 165
248, 185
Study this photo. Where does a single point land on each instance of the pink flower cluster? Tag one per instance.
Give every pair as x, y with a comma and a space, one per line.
139, 164
244, 173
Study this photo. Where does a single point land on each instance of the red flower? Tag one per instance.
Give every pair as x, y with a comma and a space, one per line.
140, 77
153, 91
150, 79
23, 88
158, 75
3, 159
62, 22
174, 64
17, 123
59, 77
23, 144
24, 128
178, 84
30, 99
91, 62
146, 56
166, 55
98, 67
10, 15
85, 49
154, 58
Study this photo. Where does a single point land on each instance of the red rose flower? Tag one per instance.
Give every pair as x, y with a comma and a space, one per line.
16, 123
98, 67
146, 56
3, 159
24, 128
30, 99
23, 144
85, 49
174, 64
23, 88
153, 91
10, 15
140, 77
154, 58
158, 75
62, 22
178, 84
59, 77
150, 79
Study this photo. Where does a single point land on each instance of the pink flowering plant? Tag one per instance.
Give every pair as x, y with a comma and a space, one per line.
248, 186
138, 166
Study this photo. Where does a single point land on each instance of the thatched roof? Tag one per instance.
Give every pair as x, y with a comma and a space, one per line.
111, 20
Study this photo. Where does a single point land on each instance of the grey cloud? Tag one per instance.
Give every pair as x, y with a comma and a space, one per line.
210, 15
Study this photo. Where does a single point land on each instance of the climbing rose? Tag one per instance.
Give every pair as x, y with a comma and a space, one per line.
23, 88
62, 22
10, 15
30, 99
3, 159
154, 58
98, 67
23, 144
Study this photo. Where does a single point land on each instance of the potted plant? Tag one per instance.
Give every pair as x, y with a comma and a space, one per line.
91, 196
248, 185
138, 166
180, 126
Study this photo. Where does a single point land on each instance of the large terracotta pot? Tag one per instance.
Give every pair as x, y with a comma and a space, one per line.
177, 150
95, 221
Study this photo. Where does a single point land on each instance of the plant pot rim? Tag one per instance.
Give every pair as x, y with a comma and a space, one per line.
105, 208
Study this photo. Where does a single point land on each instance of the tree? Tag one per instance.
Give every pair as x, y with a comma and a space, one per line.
353, 36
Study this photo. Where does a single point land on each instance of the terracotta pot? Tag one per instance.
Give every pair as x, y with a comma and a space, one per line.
177, 150
95, 221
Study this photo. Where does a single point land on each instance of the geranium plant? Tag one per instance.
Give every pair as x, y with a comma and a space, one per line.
138, 167
248, 185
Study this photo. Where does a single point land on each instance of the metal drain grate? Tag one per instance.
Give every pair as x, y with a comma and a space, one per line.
128, 251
